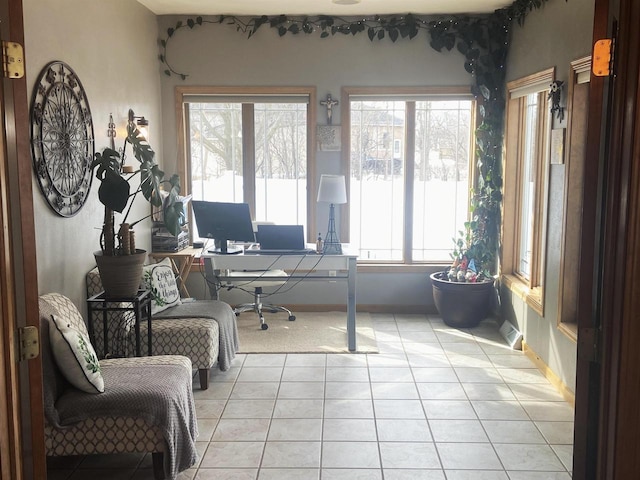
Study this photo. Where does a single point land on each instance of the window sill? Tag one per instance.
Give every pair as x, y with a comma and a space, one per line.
569, 329
531, 296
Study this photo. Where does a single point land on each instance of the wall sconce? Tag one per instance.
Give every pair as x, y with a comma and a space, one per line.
142, 124
332, 190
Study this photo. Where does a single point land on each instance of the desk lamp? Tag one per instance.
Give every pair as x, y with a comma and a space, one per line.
332, 190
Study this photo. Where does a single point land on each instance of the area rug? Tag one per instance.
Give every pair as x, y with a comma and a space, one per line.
311, 332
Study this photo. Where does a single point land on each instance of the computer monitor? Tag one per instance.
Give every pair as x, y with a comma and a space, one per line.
223, 222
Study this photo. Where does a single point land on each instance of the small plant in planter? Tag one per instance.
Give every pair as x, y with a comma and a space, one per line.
115, 193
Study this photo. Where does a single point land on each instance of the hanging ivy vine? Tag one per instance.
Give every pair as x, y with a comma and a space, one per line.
483, 40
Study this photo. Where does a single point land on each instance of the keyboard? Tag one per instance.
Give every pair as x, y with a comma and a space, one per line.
259, 251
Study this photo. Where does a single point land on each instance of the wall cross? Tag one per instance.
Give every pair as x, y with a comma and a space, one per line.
329, 103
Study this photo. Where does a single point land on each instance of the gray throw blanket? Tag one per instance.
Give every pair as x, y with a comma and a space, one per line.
162, 396
215, 310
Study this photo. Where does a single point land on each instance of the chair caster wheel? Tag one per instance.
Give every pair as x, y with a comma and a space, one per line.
264, 326
292, 318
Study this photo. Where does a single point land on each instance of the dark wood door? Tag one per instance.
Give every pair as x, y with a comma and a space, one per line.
23, 453
606, 444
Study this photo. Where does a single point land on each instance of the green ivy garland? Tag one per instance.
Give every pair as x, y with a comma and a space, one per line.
483, 40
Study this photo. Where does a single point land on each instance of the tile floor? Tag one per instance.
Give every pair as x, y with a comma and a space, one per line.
435, 404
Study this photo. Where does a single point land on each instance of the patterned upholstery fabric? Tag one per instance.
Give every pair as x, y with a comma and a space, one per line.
196, 338
103, 435
96, 435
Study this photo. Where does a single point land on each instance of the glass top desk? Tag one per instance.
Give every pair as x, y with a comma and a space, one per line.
299, 267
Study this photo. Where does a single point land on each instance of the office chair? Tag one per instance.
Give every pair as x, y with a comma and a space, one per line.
264, 278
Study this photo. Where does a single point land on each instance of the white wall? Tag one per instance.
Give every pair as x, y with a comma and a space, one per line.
218, 55
553, 36
111, 45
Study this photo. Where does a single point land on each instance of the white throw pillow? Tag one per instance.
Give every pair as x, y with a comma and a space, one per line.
75, 356
160, 279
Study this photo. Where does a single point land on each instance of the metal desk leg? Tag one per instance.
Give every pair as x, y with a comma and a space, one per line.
138, 313
147, 312
105, 330
351, 305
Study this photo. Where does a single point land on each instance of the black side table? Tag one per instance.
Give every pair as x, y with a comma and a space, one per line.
140, 305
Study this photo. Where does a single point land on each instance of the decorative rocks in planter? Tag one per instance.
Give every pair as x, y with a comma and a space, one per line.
462, 304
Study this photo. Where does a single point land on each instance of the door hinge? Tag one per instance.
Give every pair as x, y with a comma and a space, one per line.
28, 343
12, 60
588, 344
603, 58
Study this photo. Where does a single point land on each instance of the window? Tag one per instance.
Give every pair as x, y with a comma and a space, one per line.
409, 160
525, 185
253, 146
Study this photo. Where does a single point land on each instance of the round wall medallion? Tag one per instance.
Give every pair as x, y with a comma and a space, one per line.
62, 143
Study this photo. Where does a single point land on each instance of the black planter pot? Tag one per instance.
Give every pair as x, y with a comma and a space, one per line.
462, 305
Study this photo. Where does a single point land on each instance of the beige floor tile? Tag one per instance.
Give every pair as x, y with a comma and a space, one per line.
351, 474
226, 474
348, 390
458, 431
295, 429
398, 409
349, 429
441, 391
350, 455
243, 408
291, 455
306, 408
449, 410
501, 431
399, 430
528, 457
394, 391
255, 390
232, 455
409, 455
289, 474
468, 456
301, 390
413, 474
241, 430
344, 408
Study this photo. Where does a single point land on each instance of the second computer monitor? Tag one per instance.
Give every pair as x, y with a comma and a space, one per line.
223, 222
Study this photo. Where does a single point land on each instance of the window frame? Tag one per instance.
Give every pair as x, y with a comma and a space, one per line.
530, 289
401, 93
183, 93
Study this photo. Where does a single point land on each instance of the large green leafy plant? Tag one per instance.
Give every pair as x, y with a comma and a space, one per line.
116, 193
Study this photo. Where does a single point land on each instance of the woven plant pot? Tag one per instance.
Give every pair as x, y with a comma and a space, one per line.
120, 275
460, 304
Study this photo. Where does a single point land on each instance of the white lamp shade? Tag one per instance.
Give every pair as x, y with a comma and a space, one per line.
332, 189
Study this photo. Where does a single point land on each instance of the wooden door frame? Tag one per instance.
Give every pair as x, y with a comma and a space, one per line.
608, 381
21, 276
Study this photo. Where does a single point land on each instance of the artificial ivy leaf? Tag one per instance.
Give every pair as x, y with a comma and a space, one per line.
393, 34
282, 31
324, 34
170, 32
178, 24
485, 92
167, 73
380, 34
371, 32
468, 66
199, 20
163, 43
191, 23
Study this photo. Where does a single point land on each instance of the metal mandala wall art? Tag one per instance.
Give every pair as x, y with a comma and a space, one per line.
62, 142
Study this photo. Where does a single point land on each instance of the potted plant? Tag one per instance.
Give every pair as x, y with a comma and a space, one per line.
119, 261
464, 293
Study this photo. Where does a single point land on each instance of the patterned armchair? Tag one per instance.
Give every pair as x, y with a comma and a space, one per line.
121, 422
196, 338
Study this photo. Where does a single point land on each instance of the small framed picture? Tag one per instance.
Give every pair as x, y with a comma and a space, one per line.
328, 137
557, 146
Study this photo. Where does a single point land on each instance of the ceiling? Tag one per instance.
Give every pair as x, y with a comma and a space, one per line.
314, 7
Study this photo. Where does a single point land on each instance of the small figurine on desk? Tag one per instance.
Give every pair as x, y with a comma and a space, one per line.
319, 244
